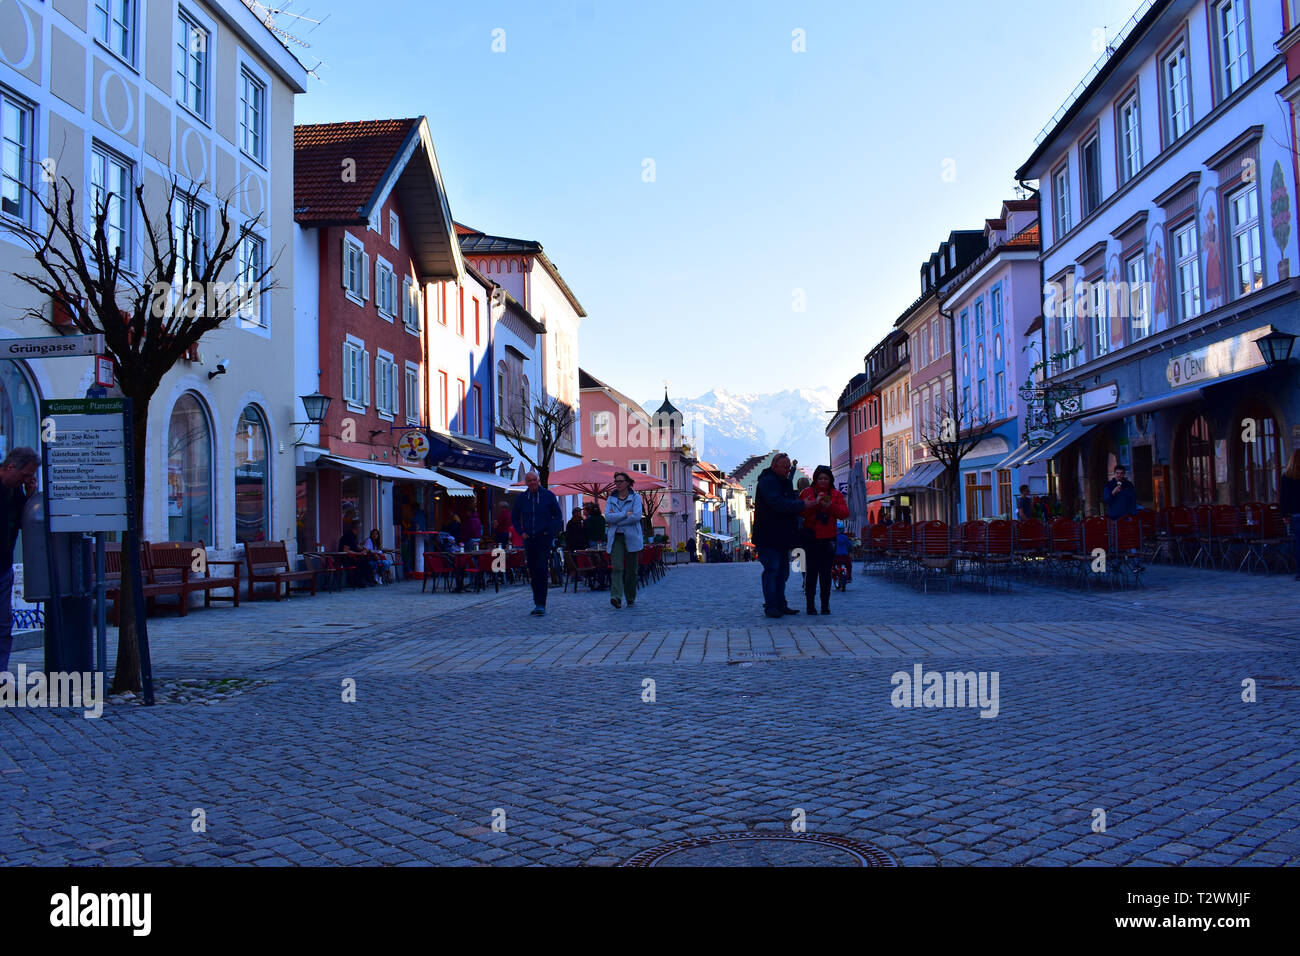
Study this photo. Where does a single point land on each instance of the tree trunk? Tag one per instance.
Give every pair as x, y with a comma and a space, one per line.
126, 674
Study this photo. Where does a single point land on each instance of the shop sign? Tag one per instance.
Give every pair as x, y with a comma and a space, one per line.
1237, 354
413, 447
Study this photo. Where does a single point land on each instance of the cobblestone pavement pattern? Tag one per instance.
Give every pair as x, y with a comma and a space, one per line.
467, 708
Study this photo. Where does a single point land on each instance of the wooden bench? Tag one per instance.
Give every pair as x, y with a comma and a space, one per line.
172, 561
152, 588
268, 563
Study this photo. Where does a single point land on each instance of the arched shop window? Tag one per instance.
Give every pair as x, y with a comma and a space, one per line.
189, 472
1197, 446
19, 418
1259, 460
252, 502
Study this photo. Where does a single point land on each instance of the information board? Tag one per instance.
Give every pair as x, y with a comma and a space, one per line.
86, 467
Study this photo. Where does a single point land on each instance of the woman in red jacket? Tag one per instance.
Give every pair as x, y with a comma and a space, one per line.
824, 506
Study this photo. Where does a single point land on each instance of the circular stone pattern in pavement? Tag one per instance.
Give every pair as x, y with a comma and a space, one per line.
763, 849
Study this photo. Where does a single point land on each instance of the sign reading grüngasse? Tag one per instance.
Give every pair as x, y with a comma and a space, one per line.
86, 460
55, 346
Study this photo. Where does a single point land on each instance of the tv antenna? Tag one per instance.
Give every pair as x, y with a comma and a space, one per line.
270, 15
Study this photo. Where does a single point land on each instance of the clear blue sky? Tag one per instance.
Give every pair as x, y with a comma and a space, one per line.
775, 170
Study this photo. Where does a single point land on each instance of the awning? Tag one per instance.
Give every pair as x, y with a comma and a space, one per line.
449, 485
920, 477
372, 468
489, 478
1145, 405
986, 448
886, 496
1075, 431
712, 536
1015, 459
461, 452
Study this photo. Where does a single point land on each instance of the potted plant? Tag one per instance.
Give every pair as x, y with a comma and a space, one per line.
1281, 209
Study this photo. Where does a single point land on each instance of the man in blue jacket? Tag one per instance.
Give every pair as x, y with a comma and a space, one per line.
538, 520
776, 530
1120, 495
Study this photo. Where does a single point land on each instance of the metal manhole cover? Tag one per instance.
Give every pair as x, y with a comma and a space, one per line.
763, 849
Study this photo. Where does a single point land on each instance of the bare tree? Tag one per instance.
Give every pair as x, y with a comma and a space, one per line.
950, 434
150, 319
549, 421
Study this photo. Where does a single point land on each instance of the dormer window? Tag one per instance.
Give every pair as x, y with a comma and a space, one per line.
952, 257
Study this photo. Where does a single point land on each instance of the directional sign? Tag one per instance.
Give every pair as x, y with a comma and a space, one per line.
54, 346
85, 476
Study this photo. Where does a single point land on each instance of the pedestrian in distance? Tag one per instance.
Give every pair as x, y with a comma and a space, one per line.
690, 551
625, 540
1290, 501
1120, 496
1024, 504
823, 507
776, 530
844, 546
17, 484
538, 519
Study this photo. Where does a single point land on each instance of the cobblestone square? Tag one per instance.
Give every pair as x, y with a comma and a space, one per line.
472, 716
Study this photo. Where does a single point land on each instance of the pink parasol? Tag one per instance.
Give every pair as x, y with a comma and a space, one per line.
596, 479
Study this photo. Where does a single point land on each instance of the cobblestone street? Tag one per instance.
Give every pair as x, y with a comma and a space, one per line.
1126, 702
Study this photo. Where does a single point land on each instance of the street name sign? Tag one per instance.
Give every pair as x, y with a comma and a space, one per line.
86, 466
52, 346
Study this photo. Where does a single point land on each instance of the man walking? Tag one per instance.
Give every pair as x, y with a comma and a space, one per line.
776, 531
537, 517
17, 483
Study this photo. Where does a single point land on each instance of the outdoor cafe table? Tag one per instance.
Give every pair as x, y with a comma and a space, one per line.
465, 560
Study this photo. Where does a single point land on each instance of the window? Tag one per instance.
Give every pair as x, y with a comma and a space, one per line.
462, 424
191, 65
356, 374
1178, 95
1068, 340
923, 353
1243, 220
663, 471
442, 317
1233, 45
934, 340
190, 234
1197, 473
1135, 271
252, 259
965, 318
478, 336
410, 304
1187, 272
110, 193
981, 389
393, 231
1004, 492
1130, 140
252, 503
443, 411
114, 26
460, 320
16, 126
356, 270
995, 306
1260, 460
600, 422
1000, 393
501, 393
189, 472
252, 114
965, 401
385, 289
412, 394
1090, 166
385, 385
1100, 313
1061, 201
477, 411
640, 467
979, 318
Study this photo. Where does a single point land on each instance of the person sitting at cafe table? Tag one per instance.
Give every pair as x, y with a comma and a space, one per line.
452, 527
595, 525
575, 539
358, 562
384, 564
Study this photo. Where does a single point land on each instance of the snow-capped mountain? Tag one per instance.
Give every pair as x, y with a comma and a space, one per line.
728, 427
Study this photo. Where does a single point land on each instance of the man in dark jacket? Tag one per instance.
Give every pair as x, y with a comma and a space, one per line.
538, 519
1120, 495
776, 531
17, 484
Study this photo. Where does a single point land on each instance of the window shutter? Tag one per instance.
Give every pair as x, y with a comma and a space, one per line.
347, 372
343, 273
406, 301
365, 277
365, 378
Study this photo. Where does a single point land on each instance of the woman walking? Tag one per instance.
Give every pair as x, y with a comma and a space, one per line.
823, 507
623, 527
1290, 503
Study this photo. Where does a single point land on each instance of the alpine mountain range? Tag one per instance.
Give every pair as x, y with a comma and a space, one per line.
728, 427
